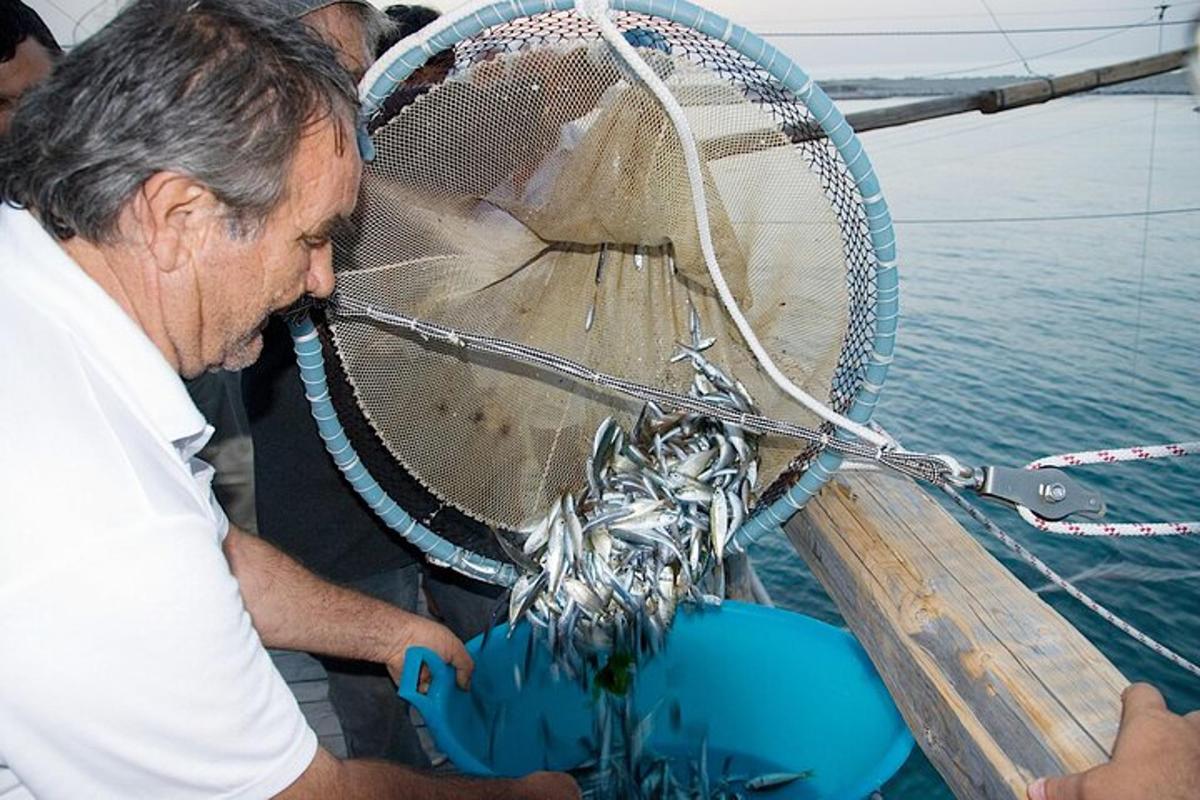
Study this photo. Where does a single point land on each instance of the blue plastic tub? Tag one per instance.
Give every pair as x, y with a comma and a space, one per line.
773, 691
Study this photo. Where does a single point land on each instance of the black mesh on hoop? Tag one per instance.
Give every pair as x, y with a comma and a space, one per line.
398, 482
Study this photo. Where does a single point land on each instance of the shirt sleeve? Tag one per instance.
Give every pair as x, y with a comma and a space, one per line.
131, 669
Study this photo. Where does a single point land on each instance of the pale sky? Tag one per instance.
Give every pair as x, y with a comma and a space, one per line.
883, 56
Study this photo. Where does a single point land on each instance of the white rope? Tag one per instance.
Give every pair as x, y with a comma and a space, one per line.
1175, 450
597, 11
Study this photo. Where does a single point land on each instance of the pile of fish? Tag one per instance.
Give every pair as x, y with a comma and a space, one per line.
625, 768
605, 571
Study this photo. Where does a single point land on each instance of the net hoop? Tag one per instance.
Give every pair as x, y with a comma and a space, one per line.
411, 53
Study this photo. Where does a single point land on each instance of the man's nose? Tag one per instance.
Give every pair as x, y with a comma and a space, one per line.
320, 273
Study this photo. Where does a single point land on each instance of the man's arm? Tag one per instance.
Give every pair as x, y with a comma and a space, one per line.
294, 609
327, 777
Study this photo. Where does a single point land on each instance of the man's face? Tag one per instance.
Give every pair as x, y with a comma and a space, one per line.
30, 65
341, 26
242, 280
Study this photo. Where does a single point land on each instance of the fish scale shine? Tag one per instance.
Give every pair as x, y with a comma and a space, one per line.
648, 533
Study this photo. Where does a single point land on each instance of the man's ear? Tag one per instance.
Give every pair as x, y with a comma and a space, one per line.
172, 213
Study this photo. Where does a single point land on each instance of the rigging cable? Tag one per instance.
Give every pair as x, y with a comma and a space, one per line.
1050, 217
1056, 12
1011, 43
1054, 52
1137, 326
1049, 574
1146, 23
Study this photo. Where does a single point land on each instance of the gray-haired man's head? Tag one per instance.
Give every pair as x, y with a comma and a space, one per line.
217, 89
193, 157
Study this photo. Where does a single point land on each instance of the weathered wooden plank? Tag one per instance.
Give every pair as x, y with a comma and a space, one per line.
997, 686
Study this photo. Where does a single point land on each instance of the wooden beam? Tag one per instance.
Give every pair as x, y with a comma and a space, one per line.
997, 687
1025, 93
891, 116
1010, 96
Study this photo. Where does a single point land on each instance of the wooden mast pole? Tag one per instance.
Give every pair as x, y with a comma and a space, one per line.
1014, 95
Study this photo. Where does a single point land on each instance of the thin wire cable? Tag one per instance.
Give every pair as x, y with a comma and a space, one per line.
931, 468
1049, 574
1055, 12
1012, 45
976, 31
1049, 217
1054, 52
1065, 106
1137, 325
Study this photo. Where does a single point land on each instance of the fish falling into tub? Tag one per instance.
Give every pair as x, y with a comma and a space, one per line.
605, 571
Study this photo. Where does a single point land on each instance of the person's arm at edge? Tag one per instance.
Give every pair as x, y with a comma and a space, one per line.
1156, 757
327, 776
294, 609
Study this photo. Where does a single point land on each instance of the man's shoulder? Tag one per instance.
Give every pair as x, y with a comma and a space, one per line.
77, 457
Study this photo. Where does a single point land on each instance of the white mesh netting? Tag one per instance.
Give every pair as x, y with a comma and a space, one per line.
538, 194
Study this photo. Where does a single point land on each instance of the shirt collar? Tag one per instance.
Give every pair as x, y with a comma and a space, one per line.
104, 332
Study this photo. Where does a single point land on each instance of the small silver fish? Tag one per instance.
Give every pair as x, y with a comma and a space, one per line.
719, 524
773, 780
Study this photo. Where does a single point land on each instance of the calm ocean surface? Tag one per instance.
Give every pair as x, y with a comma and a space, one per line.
1019, 340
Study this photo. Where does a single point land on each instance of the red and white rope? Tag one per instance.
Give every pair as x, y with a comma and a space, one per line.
1175, 450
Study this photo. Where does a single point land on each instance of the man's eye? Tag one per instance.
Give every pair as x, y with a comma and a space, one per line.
316, 242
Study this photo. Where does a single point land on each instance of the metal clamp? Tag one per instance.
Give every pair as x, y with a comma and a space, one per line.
1049, 493
958, 474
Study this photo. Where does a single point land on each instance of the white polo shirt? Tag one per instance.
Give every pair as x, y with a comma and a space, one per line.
129, 666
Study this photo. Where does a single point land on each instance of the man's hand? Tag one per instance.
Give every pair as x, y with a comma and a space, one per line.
421, 632
1156, 757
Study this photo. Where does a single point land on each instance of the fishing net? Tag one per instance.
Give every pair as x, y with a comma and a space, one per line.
538, 194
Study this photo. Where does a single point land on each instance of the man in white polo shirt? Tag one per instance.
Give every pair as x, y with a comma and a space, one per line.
160, 200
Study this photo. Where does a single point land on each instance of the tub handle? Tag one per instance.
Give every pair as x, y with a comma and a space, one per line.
441, 676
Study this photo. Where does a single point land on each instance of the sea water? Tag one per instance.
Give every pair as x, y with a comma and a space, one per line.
1023, 339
